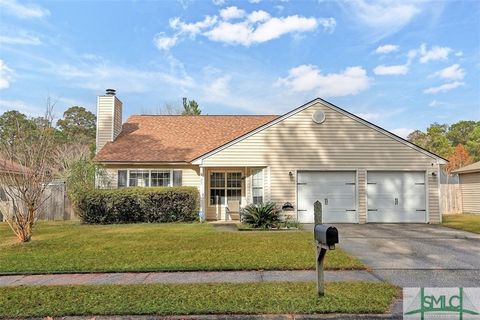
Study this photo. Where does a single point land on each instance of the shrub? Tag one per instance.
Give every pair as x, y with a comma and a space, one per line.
129, 205
262, 216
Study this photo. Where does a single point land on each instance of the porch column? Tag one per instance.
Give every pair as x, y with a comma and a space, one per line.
202, 214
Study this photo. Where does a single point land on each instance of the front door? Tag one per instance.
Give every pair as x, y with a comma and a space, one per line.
223, 186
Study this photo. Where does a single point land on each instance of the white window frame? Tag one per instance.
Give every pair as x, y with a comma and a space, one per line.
170, 183
170, 178
252, 171
226, 172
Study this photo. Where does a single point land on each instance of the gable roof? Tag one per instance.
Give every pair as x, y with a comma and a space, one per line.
334, 107
12, 167
152, 138
474, 167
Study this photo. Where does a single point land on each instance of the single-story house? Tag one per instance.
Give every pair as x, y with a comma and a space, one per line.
7, 168
361, 173
469, 180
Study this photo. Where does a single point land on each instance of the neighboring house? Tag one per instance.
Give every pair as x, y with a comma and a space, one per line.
357, 170
7, 167
469, 179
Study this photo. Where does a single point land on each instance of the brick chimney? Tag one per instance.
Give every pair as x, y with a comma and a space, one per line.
109, 118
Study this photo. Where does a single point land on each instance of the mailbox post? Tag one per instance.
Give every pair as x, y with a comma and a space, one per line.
326, 237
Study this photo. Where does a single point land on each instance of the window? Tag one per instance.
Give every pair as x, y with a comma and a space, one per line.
160, 178
234, 186
139, 178
217, 188
122, 178
225, 186
257, 186
177, 178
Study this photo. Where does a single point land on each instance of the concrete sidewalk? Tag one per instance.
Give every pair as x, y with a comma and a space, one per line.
183, 277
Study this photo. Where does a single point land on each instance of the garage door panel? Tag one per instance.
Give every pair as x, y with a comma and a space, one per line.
396, 197
335, 190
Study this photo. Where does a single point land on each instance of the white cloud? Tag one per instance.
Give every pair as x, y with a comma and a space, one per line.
218, 2
257, 16
164, 42
254, 1
23, 10
192, 29
256, 27
384, 17
391, 70
5, 75
402, 132
386, 49
230, 13
435, 53
246, 34
454, 72
20, 39
306, 78
100, 75
219, 88
444, 87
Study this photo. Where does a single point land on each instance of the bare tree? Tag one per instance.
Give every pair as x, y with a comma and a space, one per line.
168, 109
28, 161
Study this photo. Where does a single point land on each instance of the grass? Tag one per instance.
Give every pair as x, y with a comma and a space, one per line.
341, 297
467, 222
72, 247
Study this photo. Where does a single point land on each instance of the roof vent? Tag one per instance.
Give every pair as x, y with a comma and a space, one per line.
318, 116
110, 92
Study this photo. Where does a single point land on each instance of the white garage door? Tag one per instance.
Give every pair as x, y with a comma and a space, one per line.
335, 190
396, 197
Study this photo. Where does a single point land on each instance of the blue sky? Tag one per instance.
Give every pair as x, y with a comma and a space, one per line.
399, 64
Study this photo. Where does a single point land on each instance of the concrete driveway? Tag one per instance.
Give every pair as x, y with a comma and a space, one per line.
414, 255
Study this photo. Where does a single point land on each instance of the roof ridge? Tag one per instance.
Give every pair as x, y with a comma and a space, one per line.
205, 115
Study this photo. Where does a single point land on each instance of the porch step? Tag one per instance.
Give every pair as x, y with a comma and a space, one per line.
234, 216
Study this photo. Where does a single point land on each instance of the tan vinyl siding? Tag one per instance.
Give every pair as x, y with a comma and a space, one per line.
433, 194
117, 125
105, 106
362, 195
109, 119
470, 186
339, 143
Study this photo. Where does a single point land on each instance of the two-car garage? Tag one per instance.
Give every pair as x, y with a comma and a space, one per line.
391, 196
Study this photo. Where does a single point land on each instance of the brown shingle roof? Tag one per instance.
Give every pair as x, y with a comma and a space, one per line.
10, 166
176, 138
474, 167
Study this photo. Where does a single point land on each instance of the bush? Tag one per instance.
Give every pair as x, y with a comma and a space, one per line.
129, 205
261, 216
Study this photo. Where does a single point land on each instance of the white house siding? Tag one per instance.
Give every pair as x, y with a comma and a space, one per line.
339, 143
470, 187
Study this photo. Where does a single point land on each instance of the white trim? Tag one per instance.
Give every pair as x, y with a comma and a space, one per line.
262, 170
326, 104
427, 197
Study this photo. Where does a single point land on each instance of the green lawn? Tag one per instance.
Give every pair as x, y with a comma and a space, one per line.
467, 222
72, 247
342, 297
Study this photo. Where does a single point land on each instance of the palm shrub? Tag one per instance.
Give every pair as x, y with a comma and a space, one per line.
261, 216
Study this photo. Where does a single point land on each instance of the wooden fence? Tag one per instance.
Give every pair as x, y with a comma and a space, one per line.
450, 198
56, 207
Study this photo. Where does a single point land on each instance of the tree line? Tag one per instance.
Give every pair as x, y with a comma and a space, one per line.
459, 143
36, 150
